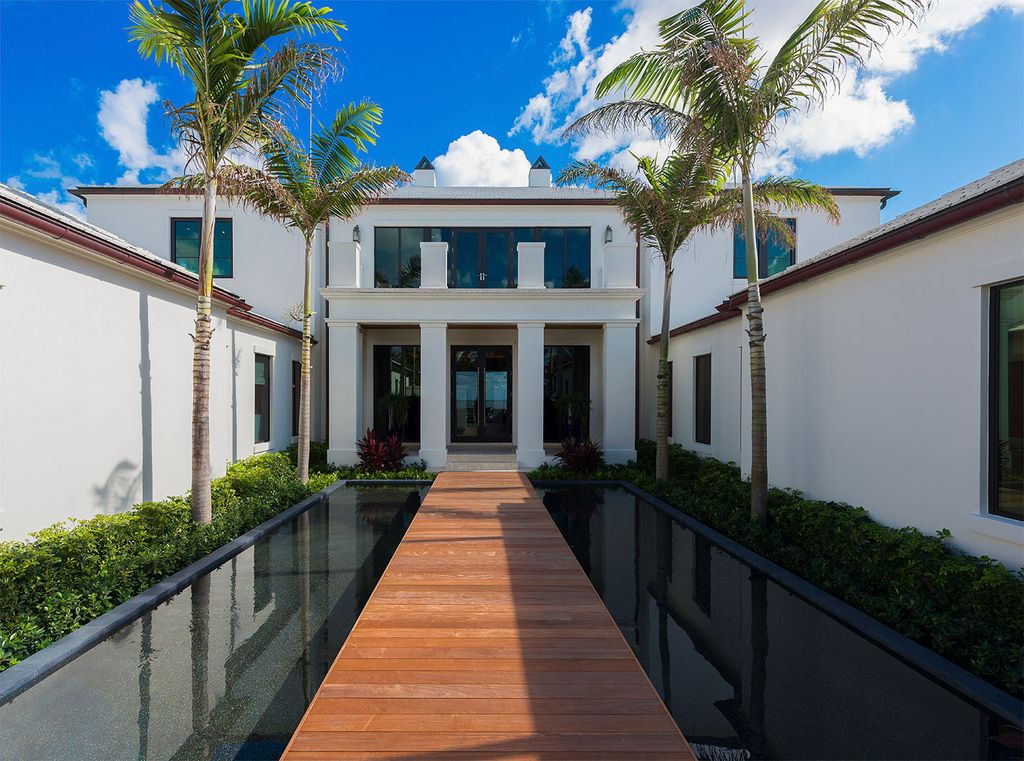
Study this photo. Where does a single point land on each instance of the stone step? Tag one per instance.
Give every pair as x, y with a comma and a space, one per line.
468, 465
496, 457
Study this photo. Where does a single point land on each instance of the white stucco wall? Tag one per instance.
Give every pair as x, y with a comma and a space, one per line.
95, 387
703, 275
267, 267
877, 384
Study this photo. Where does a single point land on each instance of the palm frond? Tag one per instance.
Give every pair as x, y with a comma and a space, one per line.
835, 33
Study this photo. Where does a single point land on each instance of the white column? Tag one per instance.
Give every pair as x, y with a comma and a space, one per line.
620, 265
345, 262
345, 349
529, 399
433, 265
531, 265
619, 403
434, 393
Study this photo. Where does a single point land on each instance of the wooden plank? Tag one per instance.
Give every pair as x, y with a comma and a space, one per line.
485, 639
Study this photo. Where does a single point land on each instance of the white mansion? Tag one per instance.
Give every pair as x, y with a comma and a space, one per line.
895, 351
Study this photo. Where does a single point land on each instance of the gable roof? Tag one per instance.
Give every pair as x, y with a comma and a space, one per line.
998, 189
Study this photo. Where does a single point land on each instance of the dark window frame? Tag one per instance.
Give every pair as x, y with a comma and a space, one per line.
394, 277
382, 353
701, 423
231, 256
762, 252
513, 260
269, 393
993, 399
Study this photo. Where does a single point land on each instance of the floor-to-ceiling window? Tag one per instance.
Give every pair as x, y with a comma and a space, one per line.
261, 392
567, 401
396, 256
1006, 400
396, 391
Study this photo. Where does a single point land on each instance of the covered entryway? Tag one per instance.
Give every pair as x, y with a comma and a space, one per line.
481, 394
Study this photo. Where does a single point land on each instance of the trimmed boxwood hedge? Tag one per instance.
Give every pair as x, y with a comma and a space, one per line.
968, 609
72, 572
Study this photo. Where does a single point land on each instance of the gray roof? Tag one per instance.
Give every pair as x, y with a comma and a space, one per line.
991, 181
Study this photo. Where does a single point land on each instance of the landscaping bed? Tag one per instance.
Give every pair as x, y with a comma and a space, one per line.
73, 572
968, 609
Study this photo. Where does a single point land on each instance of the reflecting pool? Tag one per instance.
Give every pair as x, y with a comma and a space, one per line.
225, 669
748, 669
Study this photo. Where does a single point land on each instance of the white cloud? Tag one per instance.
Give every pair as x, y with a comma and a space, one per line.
861, 118
478, 159
15, 182
82, 160
122, 117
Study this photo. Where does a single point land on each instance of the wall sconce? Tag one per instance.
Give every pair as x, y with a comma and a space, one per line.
355, 234
608, 234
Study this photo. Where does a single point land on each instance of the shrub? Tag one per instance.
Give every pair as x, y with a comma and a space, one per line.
580, 456
965, 608
377, 454
72, 572
317, 457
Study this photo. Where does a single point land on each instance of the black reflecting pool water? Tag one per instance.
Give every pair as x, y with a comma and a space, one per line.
225, 669
748, 669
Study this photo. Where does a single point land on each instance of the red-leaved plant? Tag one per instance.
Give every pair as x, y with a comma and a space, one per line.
377, 454
581, 456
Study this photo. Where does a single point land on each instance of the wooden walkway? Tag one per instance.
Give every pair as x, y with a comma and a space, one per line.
484, 639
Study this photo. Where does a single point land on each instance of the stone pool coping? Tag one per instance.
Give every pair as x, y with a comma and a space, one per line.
41, 664
940, 670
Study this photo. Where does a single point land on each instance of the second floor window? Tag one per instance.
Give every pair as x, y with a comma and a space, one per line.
396, 256
773, 255
185, 234
566, 256
1006, 400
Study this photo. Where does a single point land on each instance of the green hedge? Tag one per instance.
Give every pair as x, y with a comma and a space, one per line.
73, 572
968, 609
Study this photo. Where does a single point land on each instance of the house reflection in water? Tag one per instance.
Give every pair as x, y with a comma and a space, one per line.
745, 666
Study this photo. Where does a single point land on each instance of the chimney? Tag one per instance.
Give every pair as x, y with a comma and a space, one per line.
423, 175
540, 174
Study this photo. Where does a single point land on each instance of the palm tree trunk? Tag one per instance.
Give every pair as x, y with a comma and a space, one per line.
306, 364
661, 431
758, 385
202, 507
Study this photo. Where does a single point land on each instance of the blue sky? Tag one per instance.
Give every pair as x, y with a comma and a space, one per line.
485, 87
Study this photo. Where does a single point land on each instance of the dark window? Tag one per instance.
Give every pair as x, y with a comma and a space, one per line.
396, 256
185, 234
396, 373
262, 394
702, 399
296, 393
701, 592
566, 256
773, 254
566, 392
1006, 401
671, 392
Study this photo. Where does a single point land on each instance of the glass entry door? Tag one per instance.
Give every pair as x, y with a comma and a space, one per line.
482, 393
482, 259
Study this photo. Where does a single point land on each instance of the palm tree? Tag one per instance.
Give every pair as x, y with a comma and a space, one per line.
666, 202
302, 188
239, 84
706, 77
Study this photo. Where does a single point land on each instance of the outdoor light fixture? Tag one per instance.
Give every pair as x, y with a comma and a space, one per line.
608, 234
355, 234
